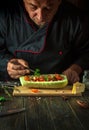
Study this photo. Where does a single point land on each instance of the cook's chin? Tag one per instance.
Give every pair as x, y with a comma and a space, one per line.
40, 23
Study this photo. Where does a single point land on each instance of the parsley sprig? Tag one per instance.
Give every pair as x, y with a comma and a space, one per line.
37, 72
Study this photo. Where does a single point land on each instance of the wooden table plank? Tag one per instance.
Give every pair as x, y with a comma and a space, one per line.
13, 121
51, 113
81, 113
45, 113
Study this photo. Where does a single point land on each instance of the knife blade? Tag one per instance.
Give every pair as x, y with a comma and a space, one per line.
12, 111
30, 69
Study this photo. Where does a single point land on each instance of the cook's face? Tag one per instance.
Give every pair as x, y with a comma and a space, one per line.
41, 11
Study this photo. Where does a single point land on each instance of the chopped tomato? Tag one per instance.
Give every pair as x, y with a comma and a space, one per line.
42, 78
26, 78
35, 90
58, 77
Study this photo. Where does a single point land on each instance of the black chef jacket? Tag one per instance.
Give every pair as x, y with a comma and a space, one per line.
53, 48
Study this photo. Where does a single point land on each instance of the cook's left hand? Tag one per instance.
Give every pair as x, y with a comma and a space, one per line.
72, 75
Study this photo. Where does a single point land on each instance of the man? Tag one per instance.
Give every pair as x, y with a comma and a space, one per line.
44, 34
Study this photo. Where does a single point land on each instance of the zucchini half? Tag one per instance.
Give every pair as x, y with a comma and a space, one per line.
45, 84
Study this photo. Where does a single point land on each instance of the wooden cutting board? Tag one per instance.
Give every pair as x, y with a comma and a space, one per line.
25, 91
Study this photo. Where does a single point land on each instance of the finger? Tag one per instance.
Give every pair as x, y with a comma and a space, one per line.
13, 61
73, 79
12, 66
76, 79
19, 63
18, 73
17, 67
69, 75
15, 76
23, 63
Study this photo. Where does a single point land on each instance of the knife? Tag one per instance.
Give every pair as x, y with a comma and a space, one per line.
30, 69
12, 111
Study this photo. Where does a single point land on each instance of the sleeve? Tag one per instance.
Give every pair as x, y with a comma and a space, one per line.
4, 54
81, 43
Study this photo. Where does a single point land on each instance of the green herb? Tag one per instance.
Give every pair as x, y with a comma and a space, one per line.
37, 72
2, 99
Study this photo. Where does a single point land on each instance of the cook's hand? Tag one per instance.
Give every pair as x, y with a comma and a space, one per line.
71, 75
17, 68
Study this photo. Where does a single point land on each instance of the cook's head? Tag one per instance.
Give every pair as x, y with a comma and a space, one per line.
41, 11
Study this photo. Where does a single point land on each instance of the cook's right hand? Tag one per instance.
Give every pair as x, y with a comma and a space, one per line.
17, 68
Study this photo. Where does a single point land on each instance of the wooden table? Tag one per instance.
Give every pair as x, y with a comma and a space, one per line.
45, 113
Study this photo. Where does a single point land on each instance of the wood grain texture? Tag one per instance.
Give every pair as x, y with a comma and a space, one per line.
46, 113
25, 91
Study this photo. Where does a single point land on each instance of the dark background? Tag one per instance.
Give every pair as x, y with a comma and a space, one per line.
82, 4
